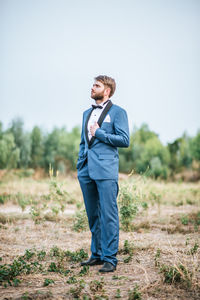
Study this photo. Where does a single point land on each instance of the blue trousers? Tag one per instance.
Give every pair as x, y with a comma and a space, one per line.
100, 198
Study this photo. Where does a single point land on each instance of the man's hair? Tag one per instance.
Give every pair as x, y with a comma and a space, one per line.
108, 82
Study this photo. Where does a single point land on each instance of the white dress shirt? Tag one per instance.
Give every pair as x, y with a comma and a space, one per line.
94, 118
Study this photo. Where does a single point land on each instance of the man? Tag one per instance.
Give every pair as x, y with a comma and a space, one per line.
104, 128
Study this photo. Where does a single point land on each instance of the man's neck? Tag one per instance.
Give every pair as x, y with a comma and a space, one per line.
101, 101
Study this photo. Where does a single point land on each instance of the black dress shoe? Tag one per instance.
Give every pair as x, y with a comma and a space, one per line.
107, 267
92, 262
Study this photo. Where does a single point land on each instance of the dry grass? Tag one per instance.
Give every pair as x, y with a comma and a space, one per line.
169, 224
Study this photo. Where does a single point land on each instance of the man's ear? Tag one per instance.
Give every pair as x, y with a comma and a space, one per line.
108, 90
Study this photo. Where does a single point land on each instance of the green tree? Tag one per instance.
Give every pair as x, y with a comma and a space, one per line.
9, 153
185, 157
195, 147
180, 154
22, 141
69, 146
61, 149
51, 145
143, 134
37, 148
16, 128
173, 150
1, 129
155, 156
126, 157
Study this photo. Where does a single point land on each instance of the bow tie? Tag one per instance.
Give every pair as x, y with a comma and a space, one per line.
97, 106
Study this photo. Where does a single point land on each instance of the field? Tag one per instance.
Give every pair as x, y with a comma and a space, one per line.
44, 236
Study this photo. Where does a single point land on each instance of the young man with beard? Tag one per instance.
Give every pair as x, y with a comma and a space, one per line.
104, 129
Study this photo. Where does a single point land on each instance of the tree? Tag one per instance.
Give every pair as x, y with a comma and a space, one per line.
195, 147
61, 149
180, 154
143, 134
37, 148
9, 153
22, 141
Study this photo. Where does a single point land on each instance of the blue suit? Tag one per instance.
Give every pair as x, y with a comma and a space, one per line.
97, 168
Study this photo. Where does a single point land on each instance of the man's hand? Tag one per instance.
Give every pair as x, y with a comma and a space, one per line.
93, 128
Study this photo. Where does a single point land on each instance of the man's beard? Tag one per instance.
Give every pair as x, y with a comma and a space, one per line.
99, 96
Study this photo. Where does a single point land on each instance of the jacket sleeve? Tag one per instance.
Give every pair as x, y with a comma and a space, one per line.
121, 136
82, 143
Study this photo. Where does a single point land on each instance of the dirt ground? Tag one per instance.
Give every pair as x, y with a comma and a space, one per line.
162, 234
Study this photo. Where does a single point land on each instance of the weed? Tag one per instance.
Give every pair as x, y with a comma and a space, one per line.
55, 210
157, 257
72, 280
192, 218
16, 282
194, 249
76, 291
190, 202
48, 281
173, 274
35, 213
96, 285
144, 205
180, 203
184, 220
134, 294
76, 256
156, 198
127, 250
187, 241
28, 254
25, 296
80, 221
41, 255
116, 277
176, 273
128, 208
53, 268
4, 198
55, 251
128, 247
86, 297
84, 271
118, 294
3, 219
101, 297
127, 259
23, 200
57, 197
66, 272
9, 272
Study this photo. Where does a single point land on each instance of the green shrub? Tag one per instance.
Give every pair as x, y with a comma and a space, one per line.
128, 208
134, 294
48, 281
80, 221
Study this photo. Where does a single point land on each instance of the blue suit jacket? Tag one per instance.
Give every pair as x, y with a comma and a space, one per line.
102, 153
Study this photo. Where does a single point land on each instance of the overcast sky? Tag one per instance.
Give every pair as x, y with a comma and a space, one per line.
50, 51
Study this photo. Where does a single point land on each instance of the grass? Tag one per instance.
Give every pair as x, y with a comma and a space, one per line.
158, 251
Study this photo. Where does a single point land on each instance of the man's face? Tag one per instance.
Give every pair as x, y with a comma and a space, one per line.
98, 91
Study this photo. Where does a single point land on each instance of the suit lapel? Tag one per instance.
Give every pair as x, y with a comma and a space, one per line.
100, 121
86, 124
104, 113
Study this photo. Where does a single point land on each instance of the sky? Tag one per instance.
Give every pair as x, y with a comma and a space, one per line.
51, 50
